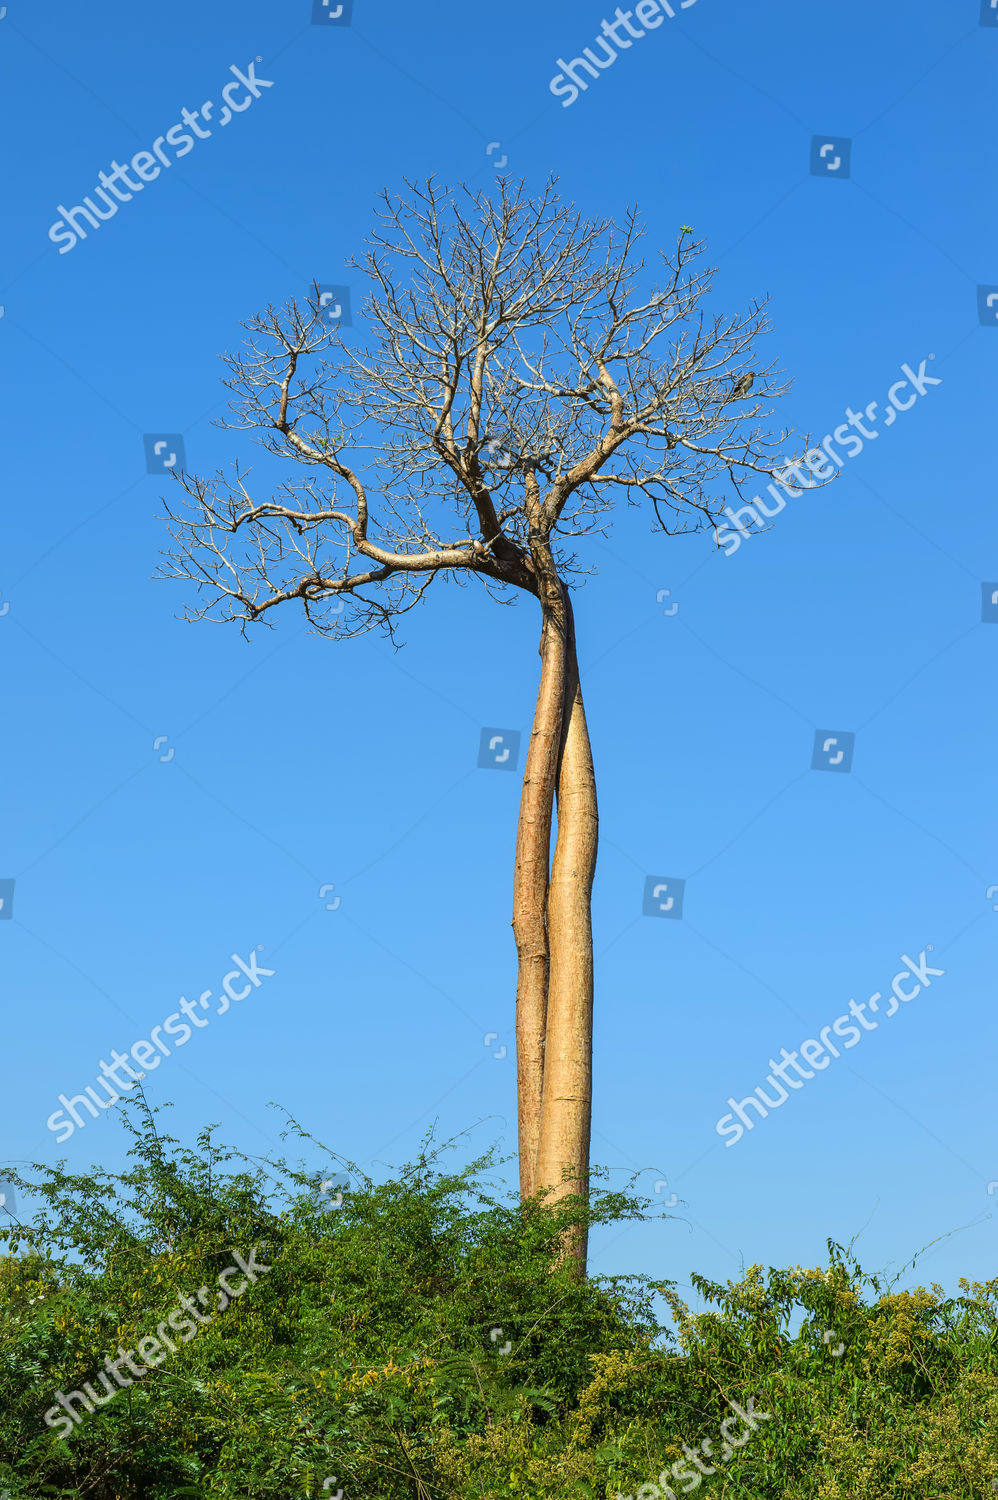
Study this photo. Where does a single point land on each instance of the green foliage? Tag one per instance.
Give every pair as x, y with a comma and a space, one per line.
423, 1340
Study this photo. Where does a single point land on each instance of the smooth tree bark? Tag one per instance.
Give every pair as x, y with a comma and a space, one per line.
566, 1113
530, 891
523, 371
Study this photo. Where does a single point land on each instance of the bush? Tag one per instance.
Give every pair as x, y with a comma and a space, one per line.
421, 1339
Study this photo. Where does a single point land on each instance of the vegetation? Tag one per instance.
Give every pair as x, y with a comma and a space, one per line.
422, 1339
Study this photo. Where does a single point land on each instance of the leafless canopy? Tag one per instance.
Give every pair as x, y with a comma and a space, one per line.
523, 369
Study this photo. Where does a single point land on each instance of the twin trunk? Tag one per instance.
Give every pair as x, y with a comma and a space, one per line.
552, 924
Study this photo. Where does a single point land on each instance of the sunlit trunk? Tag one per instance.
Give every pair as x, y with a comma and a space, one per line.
530, 886
566, 1110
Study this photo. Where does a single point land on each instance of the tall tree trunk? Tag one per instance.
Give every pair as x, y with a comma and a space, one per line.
531, 877
566, 1111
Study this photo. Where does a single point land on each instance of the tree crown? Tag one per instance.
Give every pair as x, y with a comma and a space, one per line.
517, 379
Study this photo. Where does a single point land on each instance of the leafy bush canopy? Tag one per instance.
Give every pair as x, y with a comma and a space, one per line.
419, 1338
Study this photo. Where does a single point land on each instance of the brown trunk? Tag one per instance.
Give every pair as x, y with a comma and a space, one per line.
566, 1112
530, 884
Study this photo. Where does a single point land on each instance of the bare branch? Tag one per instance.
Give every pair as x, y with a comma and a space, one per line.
521, 370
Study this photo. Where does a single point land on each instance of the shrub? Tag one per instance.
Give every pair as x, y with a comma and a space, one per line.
423, 1340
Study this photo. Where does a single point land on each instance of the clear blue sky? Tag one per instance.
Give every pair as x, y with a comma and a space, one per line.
298, 763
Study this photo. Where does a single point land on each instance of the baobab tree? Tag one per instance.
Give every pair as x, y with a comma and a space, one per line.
523, 372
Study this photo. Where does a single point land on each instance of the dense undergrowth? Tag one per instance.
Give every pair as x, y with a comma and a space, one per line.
413, 1340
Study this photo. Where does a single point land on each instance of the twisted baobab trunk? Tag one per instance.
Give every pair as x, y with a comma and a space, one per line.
566, 1112
530, 890
532, 871
553, 926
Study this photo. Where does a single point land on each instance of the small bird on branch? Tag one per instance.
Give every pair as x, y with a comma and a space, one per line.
744, 384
